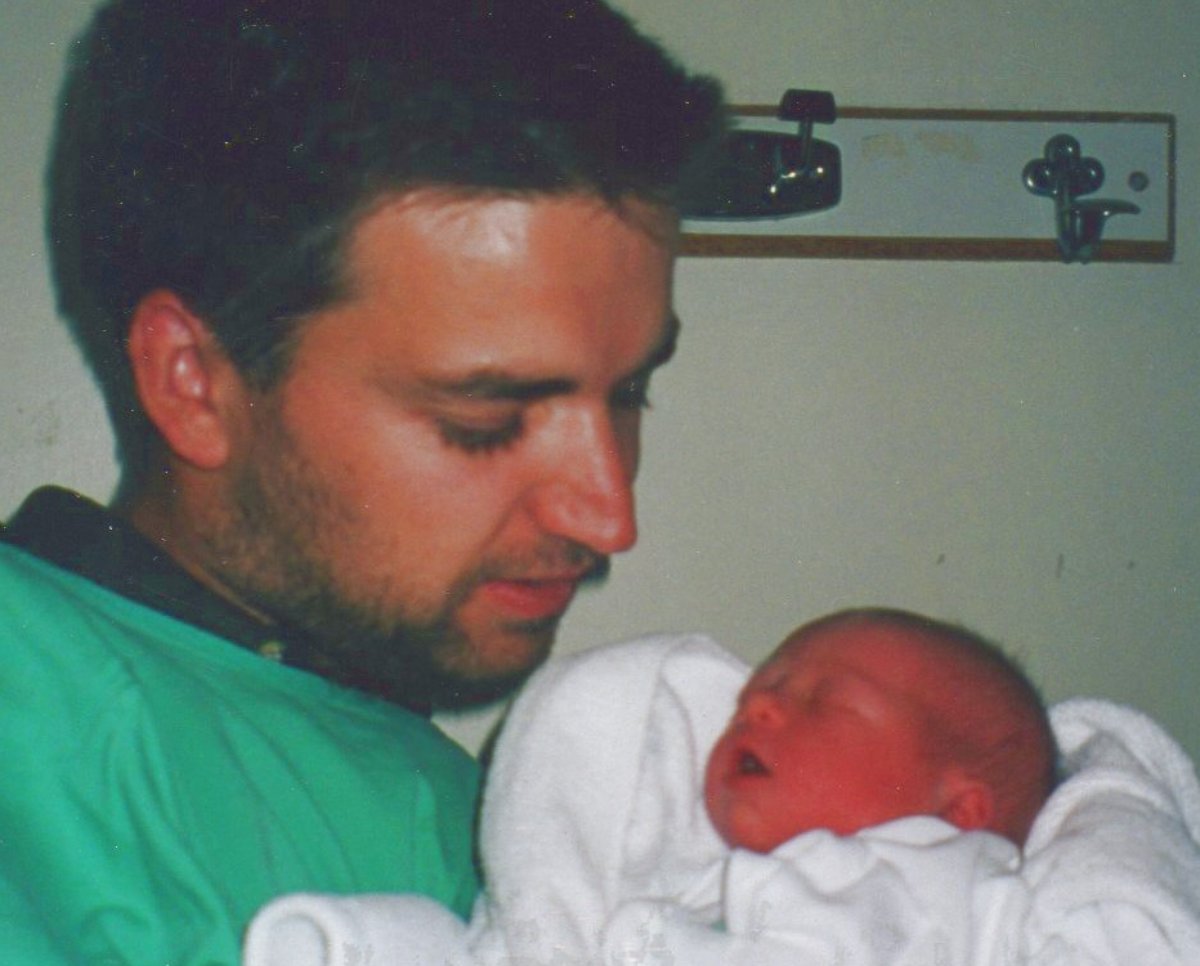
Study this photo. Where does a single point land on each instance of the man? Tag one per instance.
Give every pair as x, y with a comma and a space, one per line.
375, 293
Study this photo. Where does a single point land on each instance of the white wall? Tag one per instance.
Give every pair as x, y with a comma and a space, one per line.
52, 426
1010, 445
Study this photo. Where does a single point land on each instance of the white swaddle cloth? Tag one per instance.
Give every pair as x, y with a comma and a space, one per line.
592, 797
593, 807
911, 892
1113, 860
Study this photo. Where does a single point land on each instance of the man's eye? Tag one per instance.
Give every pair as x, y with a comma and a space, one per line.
480, 439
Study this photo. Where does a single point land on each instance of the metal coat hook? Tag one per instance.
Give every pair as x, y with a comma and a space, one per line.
769, 174
1062, 173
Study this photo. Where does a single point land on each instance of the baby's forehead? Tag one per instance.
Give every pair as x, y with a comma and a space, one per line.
873, 645
906, 664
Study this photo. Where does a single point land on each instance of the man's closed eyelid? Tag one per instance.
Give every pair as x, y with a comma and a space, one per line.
480, 439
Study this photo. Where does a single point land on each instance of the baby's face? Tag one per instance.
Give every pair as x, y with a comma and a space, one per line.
828, 734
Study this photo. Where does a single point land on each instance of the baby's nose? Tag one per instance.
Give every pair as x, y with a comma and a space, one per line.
762, 707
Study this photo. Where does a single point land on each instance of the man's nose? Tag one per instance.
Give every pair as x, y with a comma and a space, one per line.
587, 496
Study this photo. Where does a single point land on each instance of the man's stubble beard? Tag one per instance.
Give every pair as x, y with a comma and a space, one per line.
271, 549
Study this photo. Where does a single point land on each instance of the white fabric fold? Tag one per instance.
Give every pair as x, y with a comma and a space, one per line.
1113, 859
912, 892
594, 795
310, 929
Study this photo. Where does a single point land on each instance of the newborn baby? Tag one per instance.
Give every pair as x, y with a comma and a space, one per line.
867, 716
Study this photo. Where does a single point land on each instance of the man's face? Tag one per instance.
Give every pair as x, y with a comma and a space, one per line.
828, 734
454, 446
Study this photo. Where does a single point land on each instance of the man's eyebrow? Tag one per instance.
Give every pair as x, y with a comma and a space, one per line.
490, 385
496, 385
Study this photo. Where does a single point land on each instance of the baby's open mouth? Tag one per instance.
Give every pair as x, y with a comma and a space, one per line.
748, 763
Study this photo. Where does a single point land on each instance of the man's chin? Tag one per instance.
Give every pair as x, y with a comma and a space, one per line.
483, 673
458, 694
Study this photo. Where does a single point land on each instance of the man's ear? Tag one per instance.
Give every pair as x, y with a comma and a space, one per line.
966, 802
185, 381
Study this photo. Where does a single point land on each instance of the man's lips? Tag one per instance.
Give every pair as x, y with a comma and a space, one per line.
532, 599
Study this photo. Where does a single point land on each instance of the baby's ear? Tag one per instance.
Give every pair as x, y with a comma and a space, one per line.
966, 802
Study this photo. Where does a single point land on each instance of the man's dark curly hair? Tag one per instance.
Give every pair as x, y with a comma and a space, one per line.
223, 149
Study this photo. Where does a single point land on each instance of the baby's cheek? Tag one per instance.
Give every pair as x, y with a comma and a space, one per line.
715, 796
720, 801
714, 770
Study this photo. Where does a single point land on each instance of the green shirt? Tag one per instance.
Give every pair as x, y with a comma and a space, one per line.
159, 785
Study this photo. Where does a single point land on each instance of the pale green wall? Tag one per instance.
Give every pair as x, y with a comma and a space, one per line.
1010, 445
51, 422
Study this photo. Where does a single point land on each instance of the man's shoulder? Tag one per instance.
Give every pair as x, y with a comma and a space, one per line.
35, 591
33, 587
69, 632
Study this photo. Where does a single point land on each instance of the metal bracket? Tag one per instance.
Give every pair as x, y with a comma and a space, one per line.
1062, 173
769, 174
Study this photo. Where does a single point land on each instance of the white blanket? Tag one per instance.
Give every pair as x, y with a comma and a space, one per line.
593, 807
1113, 859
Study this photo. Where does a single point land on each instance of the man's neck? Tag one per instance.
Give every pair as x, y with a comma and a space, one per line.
164, 510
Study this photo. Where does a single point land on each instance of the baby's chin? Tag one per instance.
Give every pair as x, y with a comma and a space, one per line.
752, 840
740, 825
743, 822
